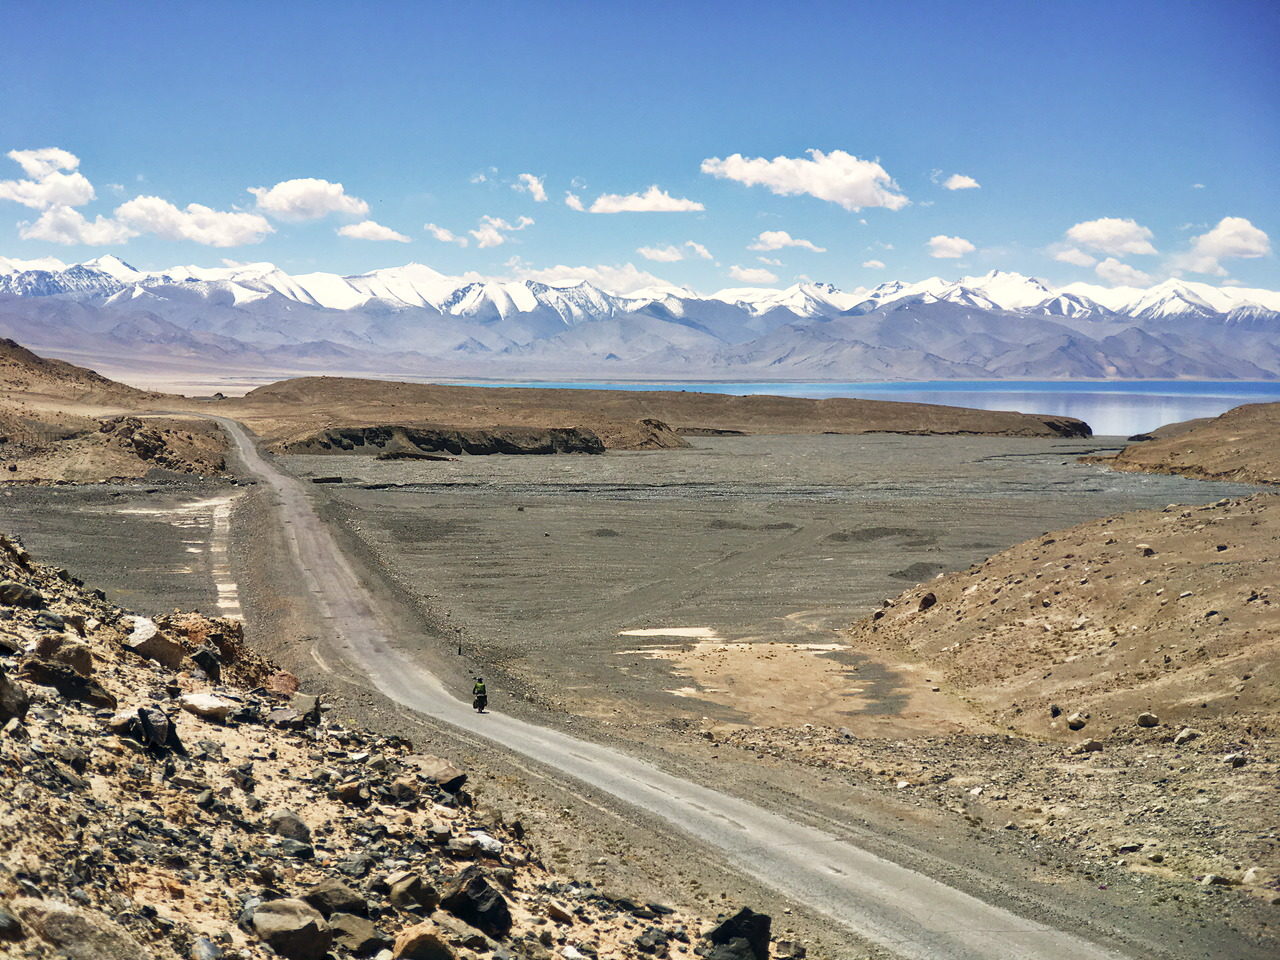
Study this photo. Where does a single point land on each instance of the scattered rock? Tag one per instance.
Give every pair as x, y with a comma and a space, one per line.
206, 706
10, 926
20, 595
1087, 746
927, 601
1077, 721
448, 776
282, 682
1216, 880
1186, 735
1235, 760
286, 823
422, 941
333, 896
408, 891
1148, 720
745, 935
13, 699
78, 933
293, 929
357, 935
147, 641
66, 681
470, 897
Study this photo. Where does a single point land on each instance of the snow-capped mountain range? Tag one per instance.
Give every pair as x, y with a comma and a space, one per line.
413, 319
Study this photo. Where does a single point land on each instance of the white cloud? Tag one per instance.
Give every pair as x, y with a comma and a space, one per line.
482, 176
307, 199
838, 177
38, 164
1121, 274
653, 200
1197, 186
50, 186
752, 274
198, 223
492, 231
573, 201
618, 278
370, 230
671, 253
1113, 235
1232, 238
528, 183
949, 248
445, 236
62, 224
1075, 256
667, 254
958, 181
777, 239
770, 261
873, 264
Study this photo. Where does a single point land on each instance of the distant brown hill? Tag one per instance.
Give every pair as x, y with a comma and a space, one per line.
1243, 445
61, 422
26, 376
292, 410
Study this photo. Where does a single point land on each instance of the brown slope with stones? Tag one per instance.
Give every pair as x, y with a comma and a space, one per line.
1242, 444
62, 423
167, 795
1133, 665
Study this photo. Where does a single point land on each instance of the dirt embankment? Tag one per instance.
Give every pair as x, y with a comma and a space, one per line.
1242, 444
623, 419
168, 795
404, 440
1131, 666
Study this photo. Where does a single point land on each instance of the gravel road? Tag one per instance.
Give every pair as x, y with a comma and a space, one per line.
910, 914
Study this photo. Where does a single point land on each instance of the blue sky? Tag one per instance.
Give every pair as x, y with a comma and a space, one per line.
1154, 126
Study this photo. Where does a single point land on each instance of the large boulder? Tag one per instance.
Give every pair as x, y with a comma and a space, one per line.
293, 929
333, 896
77, 933
744, 936
13, 699
61, 649
470, 897
408, 891
67, 682
146, 640
357, 935
14, 594
206, 706
448, 776
422, 941
286, 823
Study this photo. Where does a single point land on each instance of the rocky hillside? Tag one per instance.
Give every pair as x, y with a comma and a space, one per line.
1119, 692
115, 448
167, 795
61, 423
23, 372
1243, 445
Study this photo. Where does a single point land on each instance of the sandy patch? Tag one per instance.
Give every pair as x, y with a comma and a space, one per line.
776, 684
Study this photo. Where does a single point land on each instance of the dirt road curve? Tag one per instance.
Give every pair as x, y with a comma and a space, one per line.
907, 912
